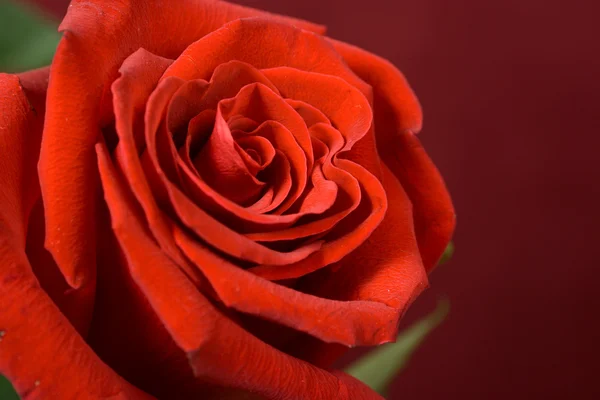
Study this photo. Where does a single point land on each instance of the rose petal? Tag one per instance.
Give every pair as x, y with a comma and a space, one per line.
78, 304
226, 81
36, 340
221, 166
263, 43
203, 332
196, 96
347, 197
344, 105
185, 104
309, 113
85, 63
352, 231
321, 196
39, 349
141, 281
126, 332
395, 274
395, 277
203, 194
348, 323
199, 129
204, 225
250, 218
261, 104
388, 84
257, 152
139, 75
280, 184
434, 216
286, 378
35, 86
396, 106
20, 134
348, 109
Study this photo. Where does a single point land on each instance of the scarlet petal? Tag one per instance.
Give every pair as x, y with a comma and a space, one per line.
36, 339
389, 85
280, 184
322, 194
395, 275
344, 105
258, 152
86, 61
126, 332
348, 193
220, 164
433, 212
263, 43
199, 129
396, 106
139, 76
35, 85
227, 81
19, 144
234, 215
24, 146
351, 232
218, 349
349, 323
76, 304
262, 105
287, 378
186, 103
149, 265
309, 113
39, 349
348, 108
204, 225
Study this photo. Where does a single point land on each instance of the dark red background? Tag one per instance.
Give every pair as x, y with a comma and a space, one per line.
511, 94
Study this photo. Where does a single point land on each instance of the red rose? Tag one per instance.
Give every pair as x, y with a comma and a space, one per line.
201, 200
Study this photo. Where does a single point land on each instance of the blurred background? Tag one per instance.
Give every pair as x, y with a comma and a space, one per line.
511, 94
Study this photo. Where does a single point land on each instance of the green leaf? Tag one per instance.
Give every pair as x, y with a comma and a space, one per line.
6, 390
447, 254
27, 39
378, 368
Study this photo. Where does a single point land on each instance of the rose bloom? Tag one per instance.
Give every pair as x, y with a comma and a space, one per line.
202, 200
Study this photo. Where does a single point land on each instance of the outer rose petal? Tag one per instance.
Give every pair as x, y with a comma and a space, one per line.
387, 268
39, 349
127, 334
349, 323
139, 74
86, 61
434, 216
397, 117
20, 134
395, 275
77, 305
219, 350
263, 43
